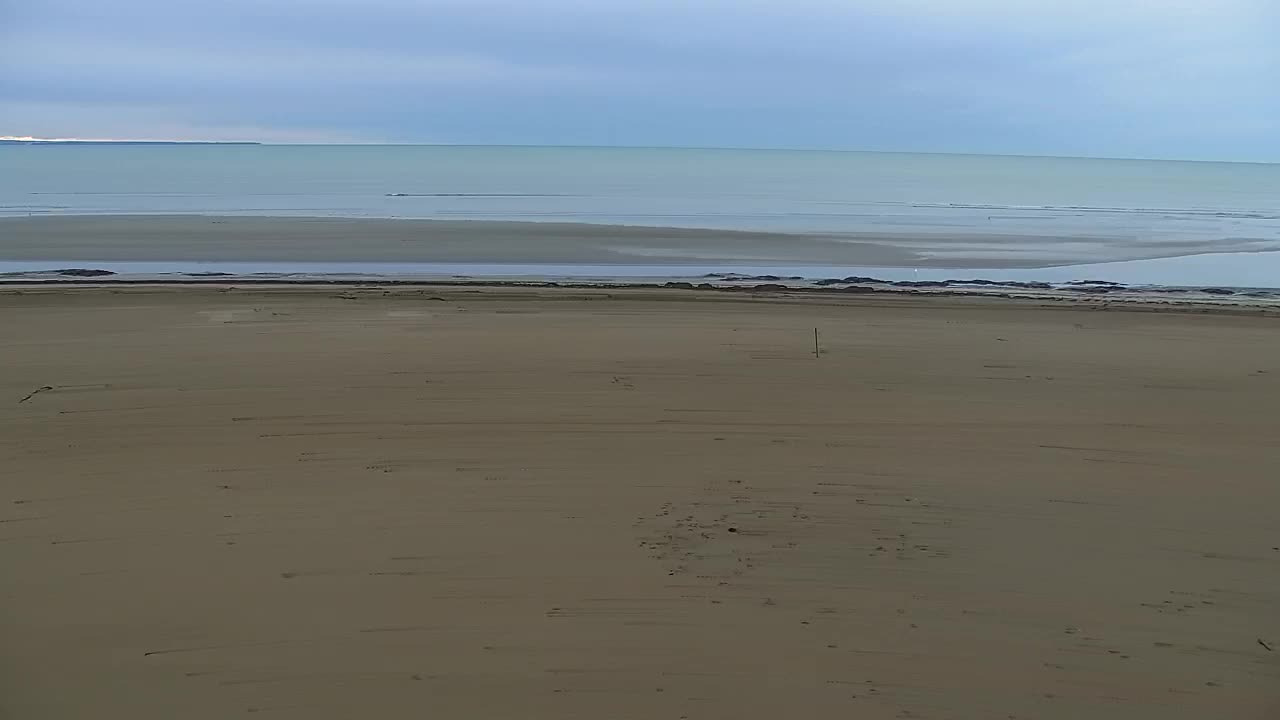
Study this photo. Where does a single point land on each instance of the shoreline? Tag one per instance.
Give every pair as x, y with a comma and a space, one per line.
1090, 297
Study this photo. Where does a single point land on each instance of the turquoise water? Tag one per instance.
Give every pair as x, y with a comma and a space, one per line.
1119, 206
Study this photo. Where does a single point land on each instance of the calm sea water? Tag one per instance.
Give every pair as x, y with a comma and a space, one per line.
1128, 203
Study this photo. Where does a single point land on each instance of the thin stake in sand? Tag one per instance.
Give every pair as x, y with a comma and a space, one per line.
816, 351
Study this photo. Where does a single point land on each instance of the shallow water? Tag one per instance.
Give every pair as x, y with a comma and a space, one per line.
1088, 210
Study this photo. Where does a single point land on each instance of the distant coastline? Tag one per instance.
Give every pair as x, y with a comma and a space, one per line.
124, 142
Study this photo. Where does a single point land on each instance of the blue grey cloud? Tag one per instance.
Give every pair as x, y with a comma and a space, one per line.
1152, 78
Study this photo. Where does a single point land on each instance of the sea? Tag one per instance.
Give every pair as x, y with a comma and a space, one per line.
1067, 212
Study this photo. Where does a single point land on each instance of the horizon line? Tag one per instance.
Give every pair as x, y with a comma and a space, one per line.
39, 140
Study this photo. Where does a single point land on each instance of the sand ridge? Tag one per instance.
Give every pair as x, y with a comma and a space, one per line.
231, 238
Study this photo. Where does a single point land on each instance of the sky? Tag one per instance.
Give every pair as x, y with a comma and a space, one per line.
1183, 79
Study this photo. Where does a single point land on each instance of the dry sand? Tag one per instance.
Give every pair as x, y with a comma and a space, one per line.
588, 504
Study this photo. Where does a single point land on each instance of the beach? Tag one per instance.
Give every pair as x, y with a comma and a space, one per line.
492, 502
231, 238
197, 238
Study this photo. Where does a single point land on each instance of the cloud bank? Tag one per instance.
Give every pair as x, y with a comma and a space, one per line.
1129, 78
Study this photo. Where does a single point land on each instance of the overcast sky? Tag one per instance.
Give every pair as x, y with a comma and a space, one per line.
1193, 79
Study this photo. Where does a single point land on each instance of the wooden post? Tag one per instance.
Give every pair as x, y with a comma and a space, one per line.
816, 351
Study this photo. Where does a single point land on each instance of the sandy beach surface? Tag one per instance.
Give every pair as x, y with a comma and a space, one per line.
518, 503
292, 239
201, 238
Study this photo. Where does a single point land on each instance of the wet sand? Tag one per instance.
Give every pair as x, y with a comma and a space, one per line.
199, 238
372, 240
335, 503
